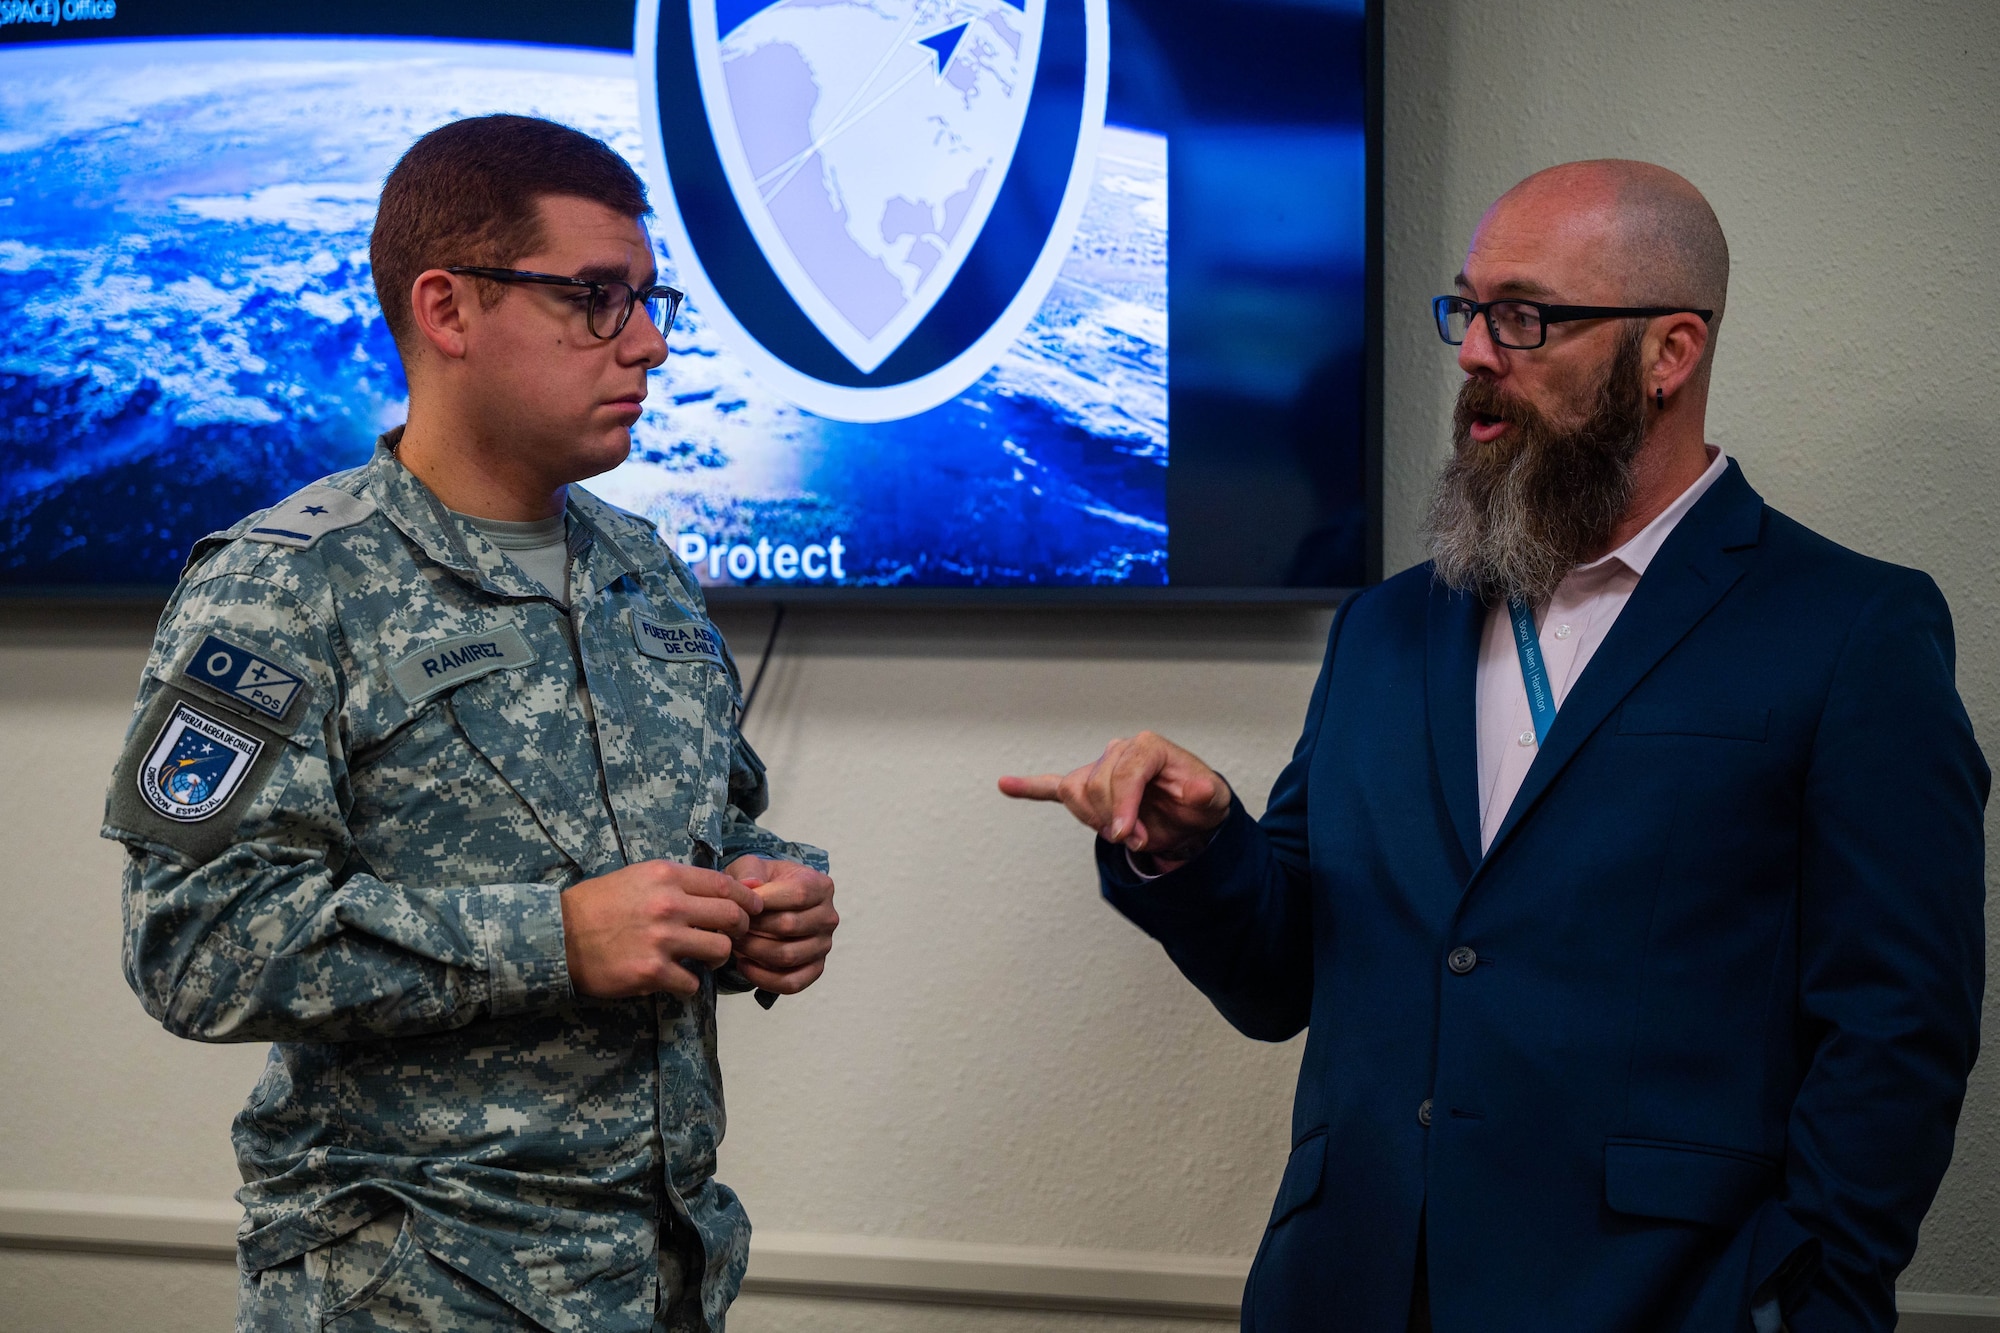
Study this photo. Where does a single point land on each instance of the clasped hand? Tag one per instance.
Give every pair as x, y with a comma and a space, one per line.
1146, 793
635, 930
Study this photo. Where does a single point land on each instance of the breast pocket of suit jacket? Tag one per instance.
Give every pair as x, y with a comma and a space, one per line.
1720, 763
1720, 721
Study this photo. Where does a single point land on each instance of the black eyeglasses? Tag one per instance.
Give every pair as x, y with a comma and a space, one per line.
609, 301
1524, 325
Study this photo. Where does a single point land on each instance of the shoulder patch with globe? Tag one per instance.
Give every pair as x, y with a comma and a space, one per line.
195, 765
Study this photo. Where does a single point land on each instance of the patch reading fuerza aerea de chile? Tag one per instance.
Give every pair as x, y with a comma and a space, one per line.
452, 662
677, 640
195, 765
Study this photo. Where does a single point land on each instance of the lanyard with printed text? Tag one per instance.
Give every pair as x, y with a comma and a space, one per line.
1534, 675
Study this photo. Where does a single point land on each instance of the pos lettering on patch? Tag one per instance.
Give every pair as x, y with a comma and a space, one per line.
677, 640
243, 675
195, 766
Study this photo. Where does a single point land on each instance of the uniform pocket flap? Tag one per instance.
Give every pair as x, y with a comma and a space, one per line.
1689, 1182
1302, 1177
1720, 720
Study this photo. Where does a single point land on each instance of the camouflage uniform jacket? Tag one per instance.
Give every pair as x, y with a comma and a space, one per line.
368, 755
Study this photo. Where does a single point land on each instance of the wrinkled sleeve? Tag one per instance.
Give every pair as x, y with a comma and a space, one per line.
1237, 920
750, 794
1892, 962
742, 836
258, 920
748, 797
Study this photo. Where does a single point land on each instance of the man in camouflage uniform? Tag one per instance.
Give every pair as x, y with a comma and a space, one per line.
474, 850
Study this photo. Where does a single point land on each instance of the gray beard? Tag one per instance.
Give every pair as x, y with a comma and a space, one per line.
1512, 519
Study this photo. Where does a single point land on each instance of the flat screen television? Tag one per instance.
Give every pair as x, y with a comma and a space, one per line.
1074, 299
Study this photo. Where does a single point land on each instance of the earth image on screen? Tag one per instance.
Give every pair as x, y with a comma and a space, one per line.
189, 331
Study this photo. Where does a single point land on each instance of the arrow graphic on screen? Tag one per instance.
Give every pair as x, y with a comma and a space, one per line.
945, 45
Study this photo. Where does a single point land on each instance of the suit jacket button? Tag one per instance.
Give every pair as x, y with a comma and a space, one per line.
1424, 1113
1461, 960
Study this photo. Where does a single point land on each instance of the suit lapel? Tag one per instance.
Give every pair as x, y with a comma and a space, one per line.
1700, 562
1451, 666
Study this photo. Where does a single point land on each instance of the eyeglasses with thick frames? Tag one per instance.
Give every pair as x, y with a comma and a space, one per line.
609, 302
1524, 325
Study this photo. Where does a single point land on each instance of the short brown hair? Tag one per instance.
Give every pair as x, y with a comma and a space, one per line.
468, 192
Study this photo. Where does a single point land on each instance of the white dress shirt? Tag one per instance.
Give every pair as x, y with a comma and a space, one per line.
1572, 626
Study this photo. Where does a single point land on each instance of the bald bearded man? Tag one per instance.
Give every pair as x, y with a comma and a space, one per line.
1628, 876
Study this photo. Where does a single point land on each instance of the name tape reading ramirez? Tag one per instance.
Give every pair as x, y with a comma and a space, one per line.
463, 657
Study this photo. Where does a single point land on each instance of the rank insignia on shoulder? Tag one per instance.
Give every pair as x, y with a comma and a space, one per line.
243, 676
303, 519
677, 640
195, 766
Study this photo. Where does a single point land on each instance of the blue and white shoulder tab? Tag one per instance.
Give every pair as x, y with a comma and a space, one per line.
303, 519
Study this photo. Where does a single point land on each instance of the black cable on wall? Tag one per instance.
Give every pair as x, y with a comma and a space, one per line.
764, 662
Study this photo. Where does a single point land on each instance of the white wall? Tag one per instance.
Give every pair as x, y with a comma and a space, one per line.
994, 1056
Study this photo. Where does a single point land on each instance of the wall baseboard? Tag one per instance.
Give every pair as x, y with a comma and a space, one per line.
848, 1267
789, 1263
1035, 1277
119, 1223
1947, 1303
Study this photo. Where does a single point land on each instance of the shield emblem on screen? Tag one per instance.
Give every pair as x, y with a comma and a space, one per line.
871, 198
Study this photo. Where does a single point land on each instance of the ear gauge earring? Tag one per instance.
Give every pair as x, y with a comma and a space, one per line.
1659, 398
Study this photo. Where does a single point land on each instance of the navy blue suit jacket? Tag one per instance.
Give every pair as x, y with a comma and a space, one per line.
1726, 961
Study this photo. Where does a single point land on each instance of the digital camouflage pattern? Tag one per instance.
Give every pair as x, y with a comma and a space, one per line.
379, 894
375, 1279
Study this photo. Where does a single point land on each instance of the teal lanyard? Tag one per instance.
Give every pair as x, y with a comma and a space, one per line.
1534, 674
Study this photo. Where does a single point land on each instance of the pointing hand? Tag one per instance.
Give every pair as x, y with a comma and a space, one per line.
1146, 793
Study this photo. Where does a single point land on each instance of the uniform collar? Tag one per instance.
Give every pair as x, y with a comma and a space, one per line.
592, 535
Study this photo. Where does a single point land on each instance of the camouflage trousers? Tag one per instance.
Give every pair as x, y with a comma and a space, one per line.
377, 1279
